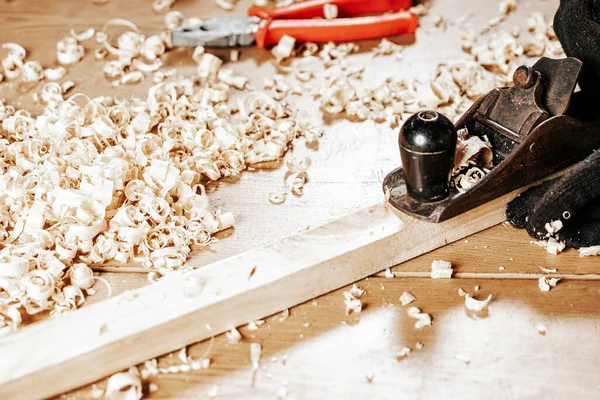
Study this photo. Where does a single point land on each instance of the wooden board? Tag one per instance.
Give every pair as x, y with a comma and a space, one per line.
328, 353
141, 324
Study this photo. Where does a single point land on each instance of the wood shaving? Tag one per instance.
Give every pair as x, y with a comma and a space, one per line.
423, 319
255, 353
81, 276
545, 283
406, 298
589, 251
461, 292
542, 330
389, 273
124, 386
227, 5
69, 51
473, 304
441, 269
402, 354
473, 150
552, 246
162, 5
54, 74
252, 326
330, 11
233, 336
419, 345
352, 299
420, 10
548, 271
284, 49
387, 47
174, 19
284, 314
277, 197
553, 227
464, 182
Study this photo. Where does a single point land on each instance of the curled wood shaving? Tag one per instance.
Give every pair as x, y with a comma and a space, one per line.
473, 304
174, 19
464, 182
277, 197
81, 276
474, 150
402, 354
423, 319
389, 273
84, 35
284, 314
69, 51
124, 386
54, 74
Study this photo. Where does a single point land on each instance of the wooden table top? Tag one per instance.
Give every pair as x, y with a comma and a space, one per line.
319, 352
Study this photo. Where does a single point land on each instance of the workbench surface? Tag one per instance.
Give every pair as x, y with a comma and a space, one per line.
319, 352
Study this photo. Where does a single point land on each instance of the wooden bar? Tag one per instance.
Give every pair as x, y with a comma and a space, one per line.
54, 356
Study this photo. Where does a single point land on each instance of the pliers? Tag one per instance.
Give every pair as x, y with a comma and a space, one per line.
305, 21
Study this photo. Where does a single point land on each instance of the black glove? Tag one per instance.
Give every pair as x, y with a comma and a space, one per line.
573, 199
577, 26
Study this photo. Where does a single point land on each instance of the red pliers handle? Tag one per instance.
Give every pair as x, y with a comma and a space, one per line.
301, 21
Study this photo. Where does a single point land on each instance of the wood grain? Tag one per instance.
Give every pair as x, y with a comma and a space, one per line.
329, 357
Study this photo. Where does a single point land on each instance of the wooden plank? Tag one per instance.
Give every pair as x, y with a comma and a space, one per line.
53, 356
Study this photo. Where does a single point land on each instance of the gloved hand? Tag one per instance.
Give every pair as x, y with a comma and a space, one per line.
574, 199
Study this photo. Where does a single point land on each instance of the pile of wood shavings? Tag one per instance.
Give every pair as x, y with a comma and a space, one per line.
451, 90
90, 181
